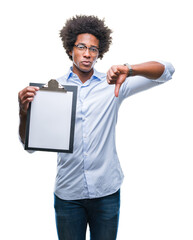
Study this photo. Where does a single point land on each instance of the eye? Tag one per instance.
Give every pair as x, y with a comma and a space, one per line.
81, 47
93, 49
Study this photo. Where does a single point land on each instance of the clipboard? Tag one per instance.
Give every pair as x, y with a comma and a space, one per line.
51, 118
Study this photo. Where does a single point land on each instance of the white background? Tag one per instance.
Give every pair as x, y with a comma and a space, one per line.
154, 132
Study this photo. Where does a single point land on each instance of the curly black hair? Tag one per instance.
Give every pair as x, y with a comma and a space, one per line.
86, 24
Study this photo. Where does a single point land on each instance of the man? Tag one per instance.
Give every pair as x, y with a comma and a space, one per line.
88, 181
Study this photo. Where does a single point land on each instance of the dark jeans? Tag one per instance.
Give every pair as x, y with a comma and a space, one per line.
102, 215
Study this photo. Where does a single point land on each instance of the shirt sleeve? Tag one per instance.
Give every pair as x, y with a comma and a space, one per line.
133, 85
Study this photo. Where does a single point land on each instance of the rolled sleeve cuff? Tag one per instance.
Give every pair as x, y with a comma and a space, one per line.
167, 74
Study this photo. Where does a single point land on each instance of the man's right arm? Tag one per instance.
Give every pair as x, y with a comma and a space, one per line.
25, 96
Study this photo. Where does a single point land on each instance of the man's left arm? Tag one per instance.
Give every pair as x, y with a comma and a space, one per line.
117, 74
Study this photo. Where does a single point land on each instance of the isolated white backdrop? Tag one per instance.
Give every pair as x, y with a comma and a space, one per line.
154, 131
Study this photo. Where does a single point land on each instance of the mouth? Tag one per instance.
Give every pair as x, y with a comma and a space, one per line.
86, 63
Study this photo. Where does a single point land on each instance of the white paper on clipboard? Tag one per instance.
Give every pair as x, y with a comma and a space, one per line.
51, 120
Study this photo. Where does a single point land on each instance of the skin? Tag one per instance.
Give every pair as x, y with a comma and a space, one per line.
117, 74
25, 96
83, 63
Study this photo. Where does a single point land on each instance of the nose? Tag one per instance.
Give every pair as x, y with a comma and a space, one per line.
87, 53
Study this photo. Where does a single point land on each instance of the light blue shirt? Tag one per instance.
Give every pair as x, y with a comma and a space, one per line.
93, 169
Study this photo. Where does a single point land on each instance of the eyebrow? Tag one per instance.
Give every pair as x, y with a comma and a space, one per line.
85, 45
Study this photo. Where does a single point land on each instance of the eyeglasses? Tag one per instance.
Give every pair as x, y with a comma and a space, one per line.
93, 50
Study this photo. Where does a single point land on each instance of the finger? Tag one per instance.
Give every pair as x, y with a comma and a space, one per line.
119, 83
114, 73
26, 96
112, 76
27, 100
117, 87
31, 89
115, 69
110, 80
108, 77
28, 89
24, 104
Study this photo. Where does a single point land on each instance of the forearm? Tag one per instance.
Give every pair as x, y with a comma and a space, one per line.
151, 70
22, 125
25, 97
144, 76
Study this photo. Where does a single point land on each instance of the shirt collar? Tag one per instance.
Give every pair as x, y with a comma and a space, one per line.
96, 75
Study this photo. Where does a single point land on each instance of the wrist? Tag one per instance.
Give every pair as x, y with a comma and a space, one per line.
22, 113
130, 70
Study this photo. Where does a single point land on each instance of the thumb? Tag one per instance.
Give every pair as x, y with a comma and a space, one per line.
118, 83
117, 87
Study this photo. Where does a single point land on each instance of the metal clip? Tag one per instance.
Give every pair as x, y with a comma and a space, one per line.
53, 85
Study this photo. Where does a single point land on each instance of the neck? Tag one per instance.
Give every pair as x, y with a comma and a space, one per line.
83, 76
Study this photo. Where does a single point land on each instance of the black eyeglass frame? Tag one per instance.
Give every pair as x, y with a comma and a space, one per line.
92, 49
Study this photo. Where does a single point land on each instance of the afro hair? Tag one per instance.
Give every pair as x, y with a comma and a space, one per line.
85, 24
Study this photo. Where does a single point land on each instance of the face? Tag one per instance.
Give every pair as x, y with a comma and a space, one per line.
84, 59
